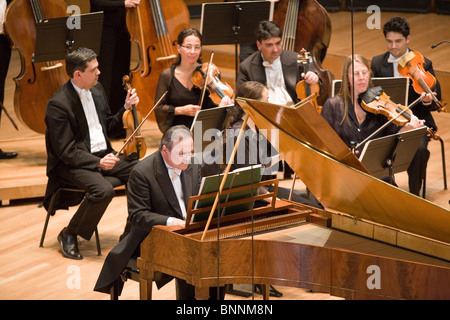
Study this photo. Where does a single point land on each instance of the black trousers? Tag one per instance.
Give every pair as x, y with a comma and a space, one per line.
100, 192
185, 291
418, 167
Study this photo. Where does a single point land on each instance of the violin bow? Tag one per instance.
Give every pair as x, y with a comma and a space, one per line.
206, 79
140, 124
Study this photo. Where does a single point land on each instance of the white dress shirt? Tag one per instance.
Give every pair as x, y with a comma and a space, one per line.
98, 141
2, 15
174, 175
275, 83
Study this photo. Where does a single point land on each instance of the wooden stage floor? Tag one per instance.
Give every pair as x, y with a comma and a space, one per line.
30, 272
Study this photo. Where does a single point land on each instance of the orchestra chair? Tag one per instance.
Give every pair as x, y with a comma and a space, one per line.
53, 205
397, 89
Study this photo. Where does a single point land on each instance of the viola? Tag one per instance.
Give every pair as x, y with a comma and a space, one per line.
376, 101
411, 66
209, 74
136, 147
303, 89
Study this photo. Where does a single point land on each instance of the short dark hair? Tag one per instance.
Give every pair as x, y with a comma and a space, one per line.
266, 30
185, 33
174, 134
396, 24
78, 59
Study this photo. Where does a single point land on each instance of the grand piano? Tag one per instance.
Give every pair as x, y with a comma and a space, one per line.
371, 241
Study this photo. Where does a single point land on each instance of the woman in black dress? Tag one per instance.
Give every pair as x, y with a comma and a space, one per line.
180, 104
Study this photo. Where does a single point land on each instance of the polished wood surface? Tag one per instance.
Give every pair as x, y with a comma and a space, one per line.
30, 272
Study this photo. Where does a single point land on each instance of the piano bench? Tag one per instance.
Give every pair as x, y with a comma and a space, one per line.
130, 272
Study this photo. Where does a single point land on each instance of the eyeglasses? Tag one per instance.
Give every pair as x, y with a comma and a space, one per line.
189, 48
364, 73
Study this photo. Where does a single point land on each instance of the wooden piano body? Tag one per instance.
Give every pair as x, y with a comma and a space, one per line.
372, 241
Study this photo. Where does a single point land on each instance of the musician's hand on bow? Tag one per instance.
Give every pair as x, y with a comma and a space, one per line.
310, 77
132, 3
226, 101
108, 162
131, 99
414, 123
427, 97
187, 110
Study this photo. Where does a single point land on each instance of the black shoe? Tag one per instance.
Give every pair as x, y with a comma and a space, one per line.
69, 245
7, 155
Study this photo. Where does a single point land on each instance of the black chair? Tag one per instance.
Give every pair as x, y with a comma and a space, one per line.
53, 205
444, 171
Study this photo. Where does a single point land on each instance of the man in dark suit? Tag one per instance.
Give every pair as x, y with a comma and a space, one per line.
79, 152
158, 193
397, 34
278, 69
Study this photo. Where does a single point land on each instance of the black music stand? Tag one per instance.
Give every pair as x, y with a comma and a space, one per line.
385, 156
232, 23
214, 118
56, 37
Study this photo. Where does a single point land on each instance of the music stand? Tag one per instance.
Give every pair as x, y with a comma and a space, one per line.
391, 154
396, 88
232, 22
54, 39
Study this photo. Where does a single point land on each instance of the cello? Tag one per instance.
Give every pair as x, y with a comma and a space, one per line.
306, 24
37, 82
154, 30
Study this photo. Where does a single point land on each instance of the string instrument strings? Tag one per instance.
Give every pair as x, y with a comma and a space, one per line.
140, 124
411, 66
303, 89
39, 77
131, 118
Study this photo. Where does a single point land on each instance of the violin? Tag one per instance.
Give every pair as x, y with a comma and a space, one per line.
303, 89
209, 73
136, 147
411, 66
376, 101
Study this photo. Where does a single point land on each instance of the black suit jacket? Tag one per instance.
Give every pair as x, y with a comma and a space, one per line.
151, 201
382, 68
252, 69
67, 134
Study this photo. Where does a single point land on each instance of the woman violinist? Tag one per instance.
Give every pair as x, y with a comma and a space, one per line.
346, 115
182, 100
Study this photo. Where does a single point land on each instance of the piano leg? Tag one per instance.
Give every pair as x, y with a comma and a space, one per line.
201, 293
265, 291
145, 285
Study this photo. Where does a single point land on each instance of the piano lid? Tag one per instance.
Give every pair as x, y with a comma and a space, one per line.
334, 176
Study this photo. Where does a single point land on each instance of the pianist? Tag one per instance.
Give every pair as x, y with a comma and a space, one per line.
157, 194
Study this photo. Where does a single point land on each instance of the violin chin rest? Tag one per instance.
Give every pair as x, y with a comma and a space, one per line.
371, 94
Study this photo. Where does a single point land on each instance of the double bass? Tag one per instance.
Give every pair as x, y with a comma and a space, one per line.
306, 24
154, 30
37, 81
